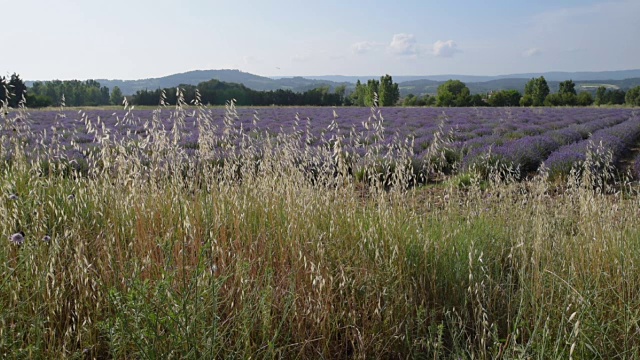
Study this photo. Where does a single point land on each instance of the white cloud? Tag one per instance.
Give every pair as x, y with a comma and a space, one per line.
301, 58
404, 44
363, 47
445, 48
531, 52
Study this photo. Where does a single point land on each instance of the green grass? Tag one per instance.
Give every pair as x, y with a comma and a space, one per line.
228, 261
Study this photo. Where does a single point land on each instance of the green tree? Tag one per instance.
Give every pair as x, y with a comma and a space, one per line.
526, 100
476, 100
373, 92
428, 100
339, 91
505, 98
13, 91
116, 96
389, 92
410, 100
633, 96
359, 95
584, 99
553, 100
567, 87
616, 97
601, 96
569, 99
453, 93
537, 90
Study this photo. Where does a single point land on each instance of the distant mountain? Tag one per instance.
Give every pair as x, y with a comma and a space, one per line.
549, 76
354, 79
416, 85
129, 87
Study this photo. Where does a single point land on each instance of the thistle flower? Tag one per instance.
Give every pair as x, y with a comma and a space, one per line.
17, 238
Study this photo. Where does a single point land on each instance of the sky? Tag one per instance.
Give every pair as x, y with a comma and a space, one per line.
137, 39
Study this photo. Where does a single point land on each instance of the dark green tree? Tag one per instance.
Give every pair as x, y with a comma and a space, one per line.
359, 95
477, 100
373, 92
116, 96
428, 100
526, 100
567, 87
505, 98
13, 91
616, 97
553, 100
601, 96
340, 91
537, 91
453, 93
584, 99
633, 96
409, 100
389, 92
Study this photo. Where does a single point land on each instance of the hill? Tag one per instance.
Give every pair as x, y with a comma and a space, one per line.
550, 76
416, 85
255, 82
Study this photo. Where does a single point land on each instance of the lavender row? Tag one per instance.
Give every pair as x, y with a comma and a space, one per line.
528, 152
617, 140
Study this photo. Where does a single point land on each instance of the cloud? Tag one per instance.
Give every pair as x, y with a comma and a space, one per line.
531, 52
363, 47
301, 58
404, 44
445, 48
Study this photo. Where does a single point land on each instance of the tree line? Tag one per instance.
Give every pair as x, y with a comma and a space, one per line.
13, 91
383, 92
214, 92
536, 93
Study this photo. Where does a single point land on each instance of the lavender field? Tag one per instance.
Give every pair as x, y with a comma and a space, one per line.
522, 138
336, 233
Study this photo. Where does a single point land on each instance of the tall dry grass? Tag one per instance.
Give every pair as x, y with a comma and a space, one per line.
276, 249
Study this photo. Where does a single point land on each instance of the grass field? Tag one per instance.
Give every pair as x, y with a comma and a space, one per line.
289, 255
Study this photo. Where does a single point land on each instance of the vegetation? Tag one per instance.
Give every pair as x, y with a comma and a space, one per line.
633, 96
215, 92
606, 96
12, 91
505, 98
535, 92
367, 95
74, 92
413, 100
276, 251
453, 93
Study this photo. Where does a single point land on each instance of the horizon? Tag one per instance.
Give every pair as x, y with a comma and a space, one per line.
334, 75
284, 38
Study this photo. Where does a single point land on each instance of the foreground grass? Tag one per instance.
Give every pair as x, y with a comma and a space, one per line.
276, 266
177, 258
